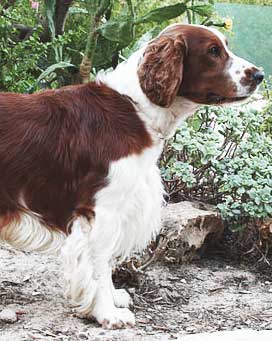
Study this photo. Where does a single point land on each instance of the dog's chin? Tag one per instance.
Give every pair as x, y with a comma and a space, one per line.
217, 99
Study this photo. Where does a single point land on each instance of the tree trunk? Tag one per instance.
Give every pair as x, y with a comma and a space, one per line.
60, 15
62, 8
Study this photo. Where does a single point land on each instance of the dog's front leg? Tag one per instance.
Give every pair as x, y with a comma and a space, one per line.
87, 256
121, 297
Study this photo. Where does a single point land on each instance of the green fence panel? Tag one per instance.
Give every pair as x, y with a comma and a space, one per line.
252, 27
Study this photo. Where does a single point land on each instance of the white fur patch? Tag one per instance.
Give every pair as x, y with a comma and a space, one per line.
27, 233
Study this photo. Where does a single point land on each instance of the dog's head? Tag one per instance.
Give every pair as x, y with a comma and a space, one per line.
195, 62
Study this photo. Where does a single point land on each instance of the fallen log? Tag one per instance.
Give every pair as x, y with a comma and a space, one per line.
185, 228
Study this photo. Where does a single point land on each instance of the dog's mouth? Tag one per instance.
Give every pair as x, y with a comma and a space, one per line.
213, 98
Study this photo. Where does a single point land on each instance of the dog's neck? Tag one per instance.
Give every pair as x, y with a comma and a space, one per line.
161, 122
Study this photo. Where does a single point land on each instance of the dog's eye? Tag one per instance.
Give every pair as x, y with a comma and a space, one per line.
214, 51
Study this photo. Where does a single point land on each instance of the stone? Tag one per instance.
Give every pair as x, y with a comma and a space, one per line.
8, 315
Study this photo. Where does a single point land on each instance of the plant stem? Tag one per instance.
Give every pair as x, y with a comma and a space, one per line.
194, 16
189, 17
97, 9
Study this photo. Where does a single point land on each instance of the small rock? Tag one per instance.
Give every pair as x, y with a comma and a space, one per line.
8, 315
83, 335
26, 278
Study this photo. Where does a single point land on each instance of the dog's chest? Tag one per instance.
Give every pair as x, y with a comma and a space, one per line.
133, 199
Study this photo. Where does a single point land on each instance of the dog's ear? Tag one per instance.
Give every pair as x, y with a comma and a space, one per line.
160, 71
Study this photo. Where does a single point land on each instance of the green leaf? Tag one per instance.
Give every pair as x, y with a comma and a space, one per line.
163, 13
195, 123
104, 52
48, 71
118, 31
268, 208
203, 10
77, 10
50, 6
103, 6
131, 8
142, 41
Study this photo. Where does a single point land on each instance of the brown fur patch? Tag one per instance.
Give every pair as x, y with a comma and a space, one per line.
56, 147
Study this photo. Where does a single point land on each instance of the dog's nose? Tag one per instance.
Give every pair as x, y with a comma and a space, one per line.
258, 76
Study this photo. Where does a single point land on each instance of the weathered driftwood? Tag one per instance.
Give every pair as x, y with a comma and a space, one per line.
186, 225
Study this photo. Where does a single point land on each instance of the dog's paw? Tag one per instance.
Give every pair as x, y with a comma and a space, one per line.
115, 318
121, 298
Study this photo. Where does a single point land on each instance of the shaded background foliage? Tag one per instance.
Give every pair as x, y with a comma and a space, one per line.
116, 31
221, 156
26, 33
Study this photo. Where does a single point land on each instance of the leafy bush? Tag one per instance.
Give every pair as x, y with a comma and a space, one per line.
268, 96
222, 156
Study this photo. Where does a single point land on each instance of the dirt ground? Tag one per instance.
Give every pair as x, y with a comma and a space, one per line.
169, 301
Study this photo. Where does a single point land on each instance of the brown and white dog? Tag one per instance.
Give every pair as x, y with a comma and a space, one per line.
78, 164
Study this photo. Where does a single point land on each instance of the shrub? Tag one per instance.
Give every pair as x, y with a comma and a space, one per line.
222, 156
268, 109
